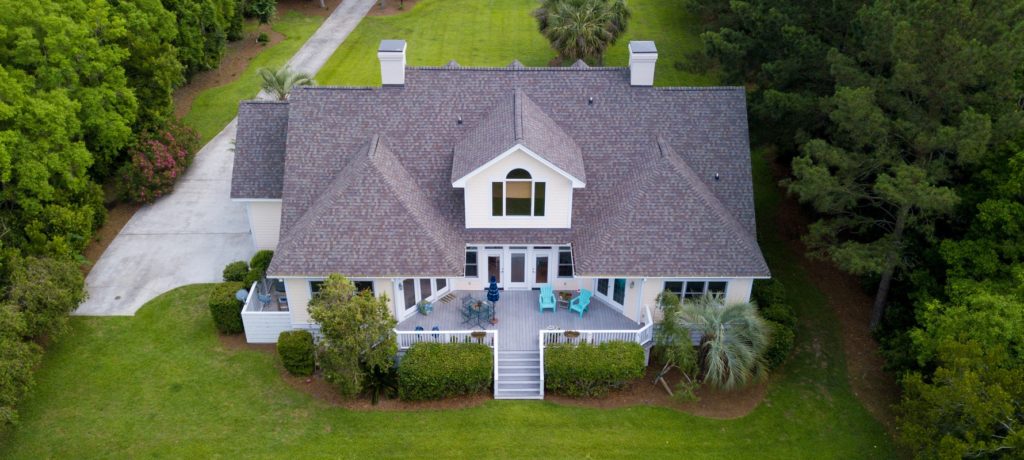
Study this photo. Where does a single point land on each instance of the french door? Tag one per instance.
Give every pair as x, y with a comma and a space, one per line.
494, 268
517, 272
414, 290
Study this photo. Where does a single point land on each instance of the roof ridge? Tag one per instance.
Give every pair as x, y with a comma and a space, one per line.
380, 152
705, 194
517, 114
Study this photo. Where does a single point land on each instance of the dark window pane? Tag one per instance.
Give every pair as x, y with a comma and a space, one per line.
694, 289
496, 199
471, 263
619, 292
675, 287
540, 269
538, 200
518, 201
519, 174
364, 286
518, 268
315, 286
441, 283
409, 292
426, 288
564, 263
602, 286
717, 287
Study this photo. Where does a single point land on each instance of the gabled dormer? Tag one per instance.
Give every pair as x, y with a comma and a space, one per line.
517, 168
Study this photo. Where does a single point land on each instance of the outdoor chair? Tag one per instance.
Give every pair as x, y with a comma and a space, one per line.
581, 303
436, 329
547, 298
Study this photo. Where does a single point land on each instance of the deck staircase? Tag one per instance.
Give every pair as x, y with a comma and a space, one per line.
518, 375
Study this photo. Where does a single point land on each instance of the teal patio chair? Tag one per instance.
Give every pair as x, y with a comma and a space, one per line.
581, 302
547, 298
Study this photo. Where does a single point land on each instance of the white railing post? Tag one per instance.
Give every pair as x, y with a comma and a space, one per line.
540, 339
495, 360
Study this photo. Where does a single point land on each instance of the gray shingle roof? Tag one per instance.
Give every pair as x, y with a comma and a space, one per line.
677, 221
372, 196
517, 120
259, 150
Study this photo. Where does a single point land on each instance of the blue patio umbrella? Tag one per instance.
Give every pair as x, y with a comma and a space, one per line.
493, 295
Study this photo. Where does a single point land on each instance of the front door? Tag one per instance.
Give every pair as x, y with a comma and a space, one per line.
494, 268
517, 273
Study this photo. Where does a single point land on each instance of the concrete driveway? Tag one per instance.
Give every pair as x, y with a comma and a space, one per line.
188, 236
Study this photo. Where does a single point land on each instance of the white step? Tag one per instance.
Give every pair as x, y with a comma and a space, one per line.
518, 375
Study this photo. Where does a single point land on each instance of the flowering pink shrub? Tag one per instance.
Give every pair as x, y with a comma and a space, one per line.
157, 160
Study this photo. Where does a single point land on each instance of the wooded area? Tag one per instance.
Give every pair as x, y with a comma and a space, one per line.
901, 124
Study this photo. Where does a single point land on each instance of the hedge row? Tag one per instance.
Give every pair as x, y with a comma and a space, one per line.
587, 370
439, 370
770, 296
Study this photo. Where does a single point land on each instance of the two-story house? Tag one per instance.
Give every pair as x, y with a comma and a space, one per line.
443, 177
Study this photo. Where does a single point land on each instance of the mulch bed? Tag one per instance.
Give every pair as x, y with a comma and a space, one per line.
715, 404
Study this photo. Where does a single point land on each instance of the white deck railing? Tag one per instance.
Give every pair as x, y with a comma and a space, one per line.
406, 339
262, 326
641, 336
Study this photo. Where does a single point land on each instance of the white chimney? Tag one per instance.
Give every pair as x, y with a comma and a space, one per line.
392, 62
642, 56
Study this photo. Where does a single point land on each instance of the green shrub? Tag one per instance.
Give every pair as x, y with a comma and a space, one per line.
225, 308
780, 313
18, 360
587, 370
780, 345
296, 350
439, 370
263, 38
768, 292
260, 261
236, 271
158, 160
46, 291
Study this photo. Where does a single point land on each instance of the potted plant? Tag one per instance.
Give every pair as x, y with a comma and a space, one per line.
571, 334
425, 308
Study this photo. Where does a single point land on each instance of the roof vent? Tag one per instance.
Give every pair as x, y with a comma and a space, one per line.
392, 62
716, 176
590, 100
642, 56
459, 121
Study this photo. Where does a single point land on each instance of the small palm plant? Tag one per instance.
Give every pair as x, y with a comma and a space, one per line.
282, 81
582, 29
731, 351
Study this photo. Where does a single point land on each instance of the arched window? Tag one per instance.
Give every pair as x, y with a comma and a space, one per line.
517, 195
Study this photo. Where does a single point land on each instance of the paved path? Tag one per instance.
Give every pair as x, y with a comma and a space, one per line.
188, 236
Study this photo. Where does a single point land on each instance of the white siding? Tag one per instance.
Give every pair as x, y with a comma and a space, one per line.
557, 196
265, 223
299, 294
737, 291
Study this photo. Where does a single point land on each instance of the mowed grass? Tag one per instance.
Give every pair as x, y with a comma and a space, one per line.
492, 33
161, 385
214, 108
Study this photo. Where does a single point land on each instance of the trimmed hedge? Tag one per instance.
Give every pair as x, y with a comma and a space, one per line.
225, 308
587, 370
780, 346
258, 266
438, 370
296, 350
768, 292
236, 271
780, 313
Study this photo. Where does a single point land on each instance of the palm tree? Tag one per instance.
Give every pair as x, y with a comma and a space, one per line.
582, 29
733, 343
282, 81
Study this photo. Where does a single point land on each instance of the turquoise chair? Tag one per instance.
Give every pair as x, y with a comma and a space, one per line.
547, 298
581, 302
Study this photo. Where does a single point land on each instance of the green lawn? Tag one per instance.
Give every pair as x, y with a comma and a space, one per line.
160, 384
494, 32
214, 108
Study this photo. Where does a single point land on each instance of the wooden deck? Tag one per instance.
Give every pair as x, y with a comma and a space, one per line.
520, 319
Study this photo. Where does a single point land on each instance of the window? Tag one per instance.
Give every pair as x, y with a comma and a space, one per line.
472, 265
364, 286
314, 288
614, 289
602, 286
518, 195
417, 289
694, 289
441, 283
565, 262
